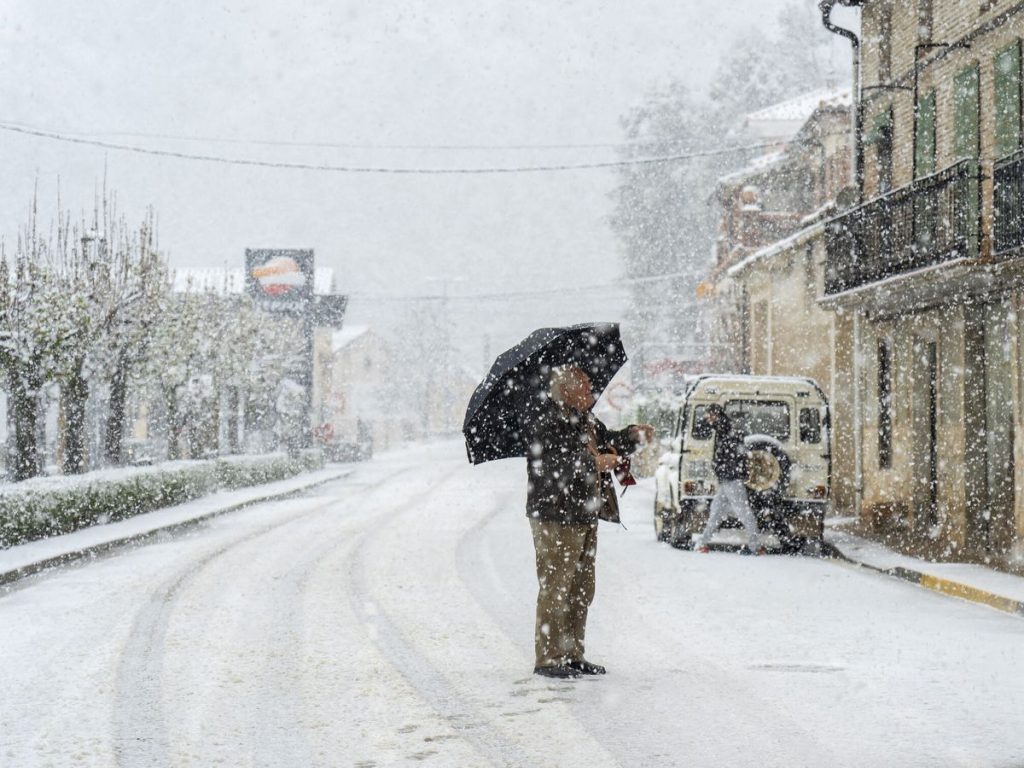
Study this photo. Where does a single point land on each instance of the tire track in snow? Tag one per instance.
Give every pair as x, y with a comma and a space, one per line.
430, 684
433, 629
139, 720
478, 569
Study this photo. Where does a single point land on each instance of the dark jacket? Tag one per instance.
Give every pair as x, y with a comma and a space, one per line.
562, 479
730, 460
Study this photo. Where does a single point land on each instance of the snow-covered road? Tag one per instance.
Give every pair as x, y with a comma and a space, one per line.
387, 620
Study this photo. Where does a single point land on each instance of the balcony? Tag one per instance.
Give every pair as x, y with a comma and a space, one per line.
1008, 200
932, 221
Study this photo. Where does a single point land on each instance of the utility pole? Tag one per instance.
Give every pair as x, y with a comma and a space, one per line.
445, 363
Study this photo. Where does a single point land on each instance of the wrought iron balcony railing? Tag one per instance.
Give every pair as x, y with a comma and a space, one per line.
1008, 204
934, 220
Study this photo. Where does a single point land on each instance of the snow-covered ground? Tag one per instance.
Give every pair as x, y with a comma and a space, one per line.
387, 619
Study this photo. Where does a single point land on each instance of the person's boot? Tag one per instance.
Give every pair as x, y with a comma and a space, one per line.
560, 671
585, 667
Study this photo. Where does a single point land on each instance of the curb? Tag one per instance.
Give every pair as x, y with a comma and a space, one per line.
8, 578
938, 584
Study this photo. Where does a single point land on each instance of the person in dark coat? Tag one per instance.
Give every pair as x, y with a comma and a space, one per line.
731, 465
569, 488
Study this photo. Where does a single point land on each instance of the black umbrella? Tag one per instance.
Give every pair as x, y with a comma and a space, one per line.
514, 391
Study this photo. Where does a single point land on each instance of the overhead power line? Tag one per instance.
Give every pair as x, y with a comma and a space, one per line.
374, 169
357, 145
570, 291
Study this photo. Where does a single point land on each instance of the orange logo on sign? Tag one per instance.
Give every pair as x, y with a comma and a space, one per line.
279, 275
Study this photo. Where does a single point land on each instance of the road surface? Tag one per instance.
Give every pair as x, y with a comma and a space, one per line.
387, 619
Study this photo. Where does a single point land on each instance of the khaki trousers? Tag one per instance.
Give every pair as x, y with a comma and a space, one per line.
565, 574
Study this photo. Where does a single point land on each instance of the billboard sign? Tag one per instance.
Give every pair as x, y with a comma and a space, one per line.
280, 280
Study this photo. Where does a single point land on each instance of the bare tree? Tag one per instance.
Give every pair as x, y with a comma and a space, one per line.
41, 323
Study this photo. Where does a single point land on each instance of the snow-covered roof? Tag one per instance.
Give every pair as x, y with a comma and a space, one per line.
739, 380
797, 238
342, 338
224, 281
802, 107
782, 121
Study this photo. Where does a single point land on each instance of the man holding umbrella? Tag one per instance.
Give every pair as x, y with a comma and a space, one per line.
569, 486
535, 402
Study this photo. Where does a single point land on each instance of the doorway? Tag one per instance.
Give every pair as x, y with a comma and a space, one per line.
926, 433
990, 433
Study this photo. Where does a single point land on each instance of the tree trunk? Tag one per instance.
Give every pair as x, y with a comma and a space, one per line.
25, 405
173, 426
232, 419
113, 436
74, 394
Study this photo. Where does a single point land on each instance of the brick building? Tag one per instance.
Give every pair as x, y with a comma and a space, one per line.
926, 282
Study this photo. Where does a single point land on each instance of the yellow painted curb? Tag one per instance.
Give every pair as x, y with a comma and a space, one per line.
940, 585
975, 595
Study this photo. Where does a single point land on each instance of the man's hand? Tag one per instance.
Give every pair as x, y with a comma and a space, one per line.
606, 462
645, 430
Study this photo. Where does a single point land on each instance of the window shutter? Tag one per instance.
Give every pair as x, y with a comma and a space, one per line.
879, 124
1008, 100
924, 158
965, 113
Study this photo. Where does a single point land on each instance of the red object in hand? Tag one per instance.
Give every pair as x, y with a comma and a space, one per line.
622, 473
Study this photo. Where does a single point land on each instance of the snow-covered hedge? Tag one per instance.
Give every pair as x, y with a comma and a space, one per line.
49, 506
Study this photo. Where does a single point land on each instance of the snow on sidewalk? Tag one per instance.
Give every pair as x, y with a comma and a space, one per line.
27, 558
966, 580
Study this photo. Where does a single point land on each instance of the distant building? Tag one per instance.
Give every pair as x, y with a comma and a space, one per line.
769, 273
776, 196
362, 402
373, 396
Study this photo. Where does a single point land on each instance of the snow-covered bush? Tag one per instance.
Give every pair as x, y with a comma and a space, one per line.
242, 471
50, 506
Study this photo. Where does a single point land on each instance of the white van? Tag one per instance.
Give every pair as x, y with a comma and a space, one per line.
785, 423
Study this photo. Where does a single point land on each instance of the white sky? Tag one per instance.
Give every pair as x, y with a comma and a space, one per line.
400, 72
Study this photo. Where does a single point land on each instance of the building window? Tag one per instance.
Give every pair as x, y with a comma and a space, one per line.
924, 137
1007, 87
885, 42
880, 137
966, 113
884, 405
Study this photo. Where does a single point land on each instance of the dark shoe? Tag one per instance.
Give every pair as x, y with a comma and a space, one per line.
585, 667
562, 671
749, 551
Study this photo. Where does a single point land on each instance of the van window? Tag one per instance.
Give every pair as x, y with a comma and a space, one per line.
760, 417
810, 425
701, 429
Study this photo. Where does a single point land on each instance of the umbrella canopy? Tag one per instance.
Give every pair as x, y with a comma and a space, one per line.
514, 391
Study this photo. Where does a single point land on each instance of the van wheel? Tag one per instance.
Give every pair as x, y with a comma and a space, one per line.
769, 473
792, 545
812, 548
